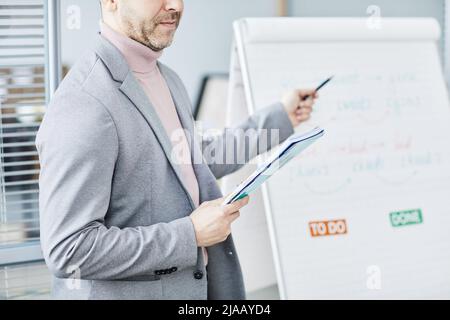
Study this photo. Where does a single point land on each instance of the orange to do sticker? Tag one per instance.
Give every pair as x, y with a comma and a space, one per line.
328, 228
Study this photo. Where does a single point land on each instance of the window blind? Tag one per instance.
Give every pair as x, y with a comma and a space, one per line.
23, 282
22, 101
22, 97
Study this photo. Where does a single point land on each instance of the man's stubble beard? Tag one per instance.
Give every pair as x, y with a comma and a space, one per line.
146, 32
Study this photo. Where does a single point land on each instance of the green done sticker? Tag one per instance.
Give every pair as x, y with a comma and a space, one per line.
406, 218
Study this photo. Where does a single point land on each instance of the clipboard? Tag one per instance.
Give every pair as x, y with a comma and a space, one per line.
292, 147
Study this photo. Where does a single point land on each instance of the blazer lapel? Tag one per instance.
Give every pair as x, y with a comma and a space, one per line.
133, 90
181, 103
208, 186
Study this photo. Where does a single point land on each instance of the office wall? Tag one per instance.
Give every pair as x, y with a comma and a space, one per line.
399, 8
202, 43
79, 25
358, 8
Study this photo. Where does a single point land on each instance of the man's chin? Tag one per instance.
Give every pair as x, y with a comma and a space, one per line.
161, 45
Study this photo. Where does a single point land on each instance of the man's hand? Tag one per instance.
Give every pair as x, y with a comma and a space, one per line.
297, 107
212, 222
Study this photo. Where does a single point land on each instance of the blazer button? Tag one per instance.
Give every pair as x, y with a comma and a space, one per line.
174, 269
198, 275
158, 272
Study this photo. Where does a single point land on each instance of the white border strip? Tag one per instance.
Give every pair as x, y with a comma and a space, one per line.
446, 28
53, 47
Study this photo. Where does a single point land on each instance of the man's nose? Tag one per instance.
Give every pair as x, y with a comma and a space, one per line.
174, 5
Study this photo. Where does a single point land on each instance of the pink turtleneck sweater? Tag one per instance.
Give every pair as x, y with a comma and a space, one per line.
143, 62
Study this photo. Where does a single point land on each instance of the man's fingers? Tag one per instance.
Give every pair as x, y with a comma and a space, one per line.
236, 206
309, 91
216, 202
308, 104
234, 216
306, 107
304, 93
303, 117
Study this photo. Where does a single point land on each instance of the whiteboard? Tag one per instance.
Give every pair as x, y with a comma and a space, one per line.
364, 212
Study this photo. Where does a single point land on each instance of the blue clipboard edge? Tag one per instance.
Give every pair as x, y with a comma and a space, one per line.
241, 193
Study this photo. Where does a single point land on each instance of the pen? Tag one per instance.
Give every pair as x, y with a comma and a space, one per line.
323, 84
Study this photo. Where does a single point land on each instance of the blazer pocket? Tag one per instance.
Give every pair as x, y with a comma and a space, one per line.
126, 290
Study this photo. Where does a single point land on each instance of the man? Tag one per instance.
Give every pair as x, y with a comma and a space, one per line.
120, 215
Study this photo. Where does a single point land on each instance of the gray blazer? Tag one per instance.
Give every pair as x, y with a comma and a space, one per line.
114, 210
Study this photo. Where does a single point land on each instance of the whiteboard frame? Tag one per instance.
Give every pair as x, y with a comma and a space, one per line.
446, 50
250, 102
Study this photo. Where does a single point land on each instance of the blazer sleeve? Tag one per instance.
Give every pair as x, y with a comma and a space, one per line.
78, 148
231, 150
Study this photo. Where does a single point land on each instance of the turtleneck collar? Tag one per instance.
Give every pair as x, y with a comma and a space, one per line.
140, 58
